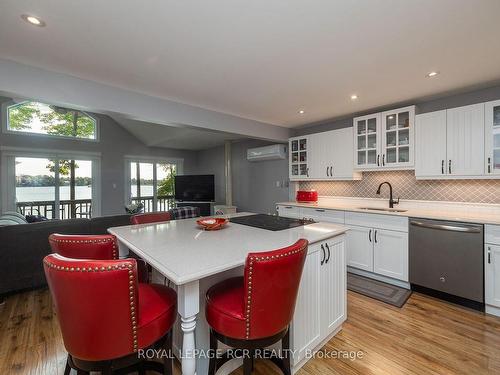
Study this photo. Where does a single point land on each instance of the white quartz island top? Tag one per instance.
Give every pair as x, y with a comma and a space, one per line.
183, 252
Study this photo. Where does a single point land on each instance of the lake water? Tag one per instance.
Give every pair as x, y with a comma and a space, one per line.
46, 193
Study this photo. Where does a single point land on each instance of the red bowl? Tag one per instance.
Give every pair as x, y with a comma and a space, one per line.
212, 223
307, 196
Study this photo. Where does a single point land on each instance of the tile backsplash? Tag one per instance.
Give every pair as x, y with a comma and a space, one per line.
406, 186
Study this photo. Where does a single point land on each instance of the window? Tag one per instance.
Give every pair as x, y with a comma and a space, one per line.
151, 182
39, 118
56, 186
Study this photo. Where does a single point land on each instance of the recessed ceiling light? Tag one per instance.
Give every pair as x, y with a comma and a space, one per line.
432, 74
33, 20
301, 112
354, 97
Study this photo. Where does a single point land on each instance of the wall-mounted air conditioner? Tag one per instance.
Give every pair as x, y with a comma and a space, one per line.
271, 152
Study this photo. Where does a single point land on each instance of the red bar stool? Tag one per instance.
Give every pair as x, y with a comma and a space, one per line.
107, 317
255, 311
97, 247
151, 217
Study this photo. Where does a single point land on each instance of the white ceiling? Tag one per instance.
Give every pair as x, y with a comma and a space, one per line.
261, 59
184, 138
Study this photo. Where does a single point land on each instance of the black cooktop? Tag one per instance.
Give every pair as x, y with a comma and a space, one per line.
269, 222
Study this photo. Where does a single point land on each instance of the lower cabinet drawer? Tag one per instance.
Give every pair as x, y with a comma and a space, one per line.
288, 211
389, 222
320, 214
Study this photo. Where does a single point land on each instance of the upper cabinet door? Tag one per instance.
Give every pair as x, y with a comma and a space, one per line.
430, 144
397, 137
367, 142
465, 140
299, 161
342, 155
492, 137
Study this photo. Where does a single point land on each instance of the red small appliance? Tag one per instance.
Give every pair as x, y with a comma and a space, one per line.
307, 196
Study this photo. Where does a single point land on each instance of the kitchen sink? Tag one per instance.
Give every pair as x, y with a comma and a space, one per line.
381, 209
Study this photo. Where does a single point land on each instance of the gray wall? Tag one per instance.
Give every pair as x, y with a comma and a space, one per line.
254, 183
422, 106
115, 142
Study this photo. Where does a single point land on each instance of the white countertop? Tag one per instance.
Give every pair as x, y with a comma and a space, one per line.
182, 252
462, 212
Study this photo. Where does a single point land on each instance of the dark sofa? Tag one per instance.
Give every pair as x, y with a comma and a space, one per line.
23, 247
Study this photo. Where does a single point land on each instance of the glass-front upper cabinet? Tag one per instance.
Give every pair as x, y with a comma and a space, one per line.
367, 142
492, 149
298, 158
397, 138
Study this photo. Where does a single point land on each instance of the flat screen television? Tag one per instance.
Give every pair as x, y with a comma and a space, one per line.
195, 188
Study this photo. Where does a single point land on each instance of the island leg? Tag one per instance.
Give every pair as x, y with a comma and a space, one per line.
188, 297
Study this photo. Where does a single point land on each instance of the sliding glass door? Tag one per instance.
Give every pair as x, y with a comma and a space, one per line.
151, 182
52, 186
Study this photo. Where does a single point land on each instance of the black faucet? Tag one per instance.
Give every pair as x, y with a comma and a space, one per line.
392, 202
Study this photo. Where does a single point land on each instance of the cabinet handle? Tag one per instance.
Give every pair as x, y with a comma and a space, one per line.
442, 166
378, 160
331, 171
289, 207
327, 172
383, 160
324, 255
328, 248
307, 172
449, 166
489, 165
376, 236
489, 255
319, 210
370, 235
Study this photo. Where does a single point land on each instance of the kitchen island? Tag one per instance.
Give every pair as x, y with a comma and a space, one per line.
193, 260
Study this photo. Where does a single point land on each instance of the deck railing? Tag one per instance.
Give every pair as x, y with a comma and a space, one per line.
164, 203
82, 208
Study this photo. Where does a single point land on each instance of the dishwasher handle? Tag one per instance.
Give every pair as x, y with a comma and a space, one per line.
448, 227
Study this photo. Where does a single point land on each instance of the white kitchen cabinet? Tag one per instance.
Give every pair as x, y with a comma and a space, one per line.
378, 244
306, 326
465, 140
323, 156
289, 211
492, 137
367, 142
385, 140
430, 144
341, 148
450, 144
360, 248
321, 301
390, 254
492, 275
333, 283
299, 157
321, 214
398, 138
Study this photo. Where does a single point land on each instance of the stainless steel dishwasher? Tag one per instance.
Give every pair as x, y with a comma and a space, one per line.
446, 259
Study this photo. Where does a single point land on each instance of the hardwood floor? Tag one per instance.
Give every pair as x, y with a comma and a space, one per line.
426, 336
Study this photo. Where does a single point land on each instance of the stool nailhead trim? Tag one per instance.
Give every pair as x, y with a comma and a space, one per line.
99, 240
253, 259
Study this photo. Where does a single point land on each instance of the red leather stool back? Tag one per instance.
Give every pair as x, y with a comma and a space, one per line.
96, 304
84, 246
152, 217
272, 282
